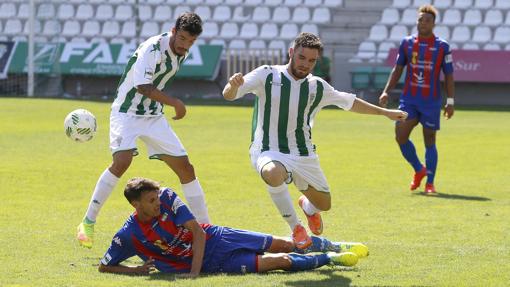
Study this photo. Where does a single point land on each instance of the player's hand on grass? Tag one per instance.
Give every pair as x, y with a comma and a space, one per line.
448, 111
236, 80
383, 100
396, 115
180, 109
146, 268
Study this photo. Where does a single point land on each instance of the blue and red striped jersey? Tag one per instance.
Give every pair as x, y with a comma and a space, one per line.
163, 238
424, 59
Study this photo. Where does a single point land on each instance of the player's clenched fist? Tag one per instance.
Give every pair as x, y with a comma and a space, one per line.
236, 80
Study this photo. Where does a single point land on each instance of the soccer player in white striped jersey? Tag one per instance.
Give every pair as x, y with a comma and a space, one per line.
288, 98
137, 112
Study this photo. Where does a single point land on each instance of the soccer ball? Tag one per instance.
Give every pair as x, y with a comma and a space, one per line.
80, 125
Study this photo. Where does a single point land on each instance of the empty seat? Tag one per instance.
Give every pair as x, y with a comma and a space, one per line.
281, 14
401, 3
37, 27
157, 2
12, 27
215, 2
289, 31
71, 28
163, 13
84, 12
65, 11
452, 17
128, 29
110, 29
301, 15
442, 4
252, 2
123, 12
502, 35
46, 11
261, 14
312, 3
7, 10
310, 28
472, 17
366, 50
149, 29
463, 4
257, 44
482, 34
222, 13
502, 4
204, 12
219, 42
483, 4
293, 3
179, 10
390, 16
461, 34
234, 2
90, 28
104, 12
419, 3
210, 30
384, 49
249, 31
378, 33
507, 22
333, 3
494, 17
277, 45
145, 12
193, 2
229, 30
491, 47
239, 16
409, 16
268, 31
23, 11
273, 3
321, 15
398, 32
237, 44
442, 32
51, 28
470, 46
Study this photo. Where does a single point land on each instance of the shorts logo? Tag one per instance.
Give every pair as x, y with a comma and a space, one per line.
243, 269
116, 239
148, 74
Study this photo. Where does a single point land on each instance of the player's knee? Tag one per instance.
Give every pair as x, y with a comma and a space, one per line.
272, 178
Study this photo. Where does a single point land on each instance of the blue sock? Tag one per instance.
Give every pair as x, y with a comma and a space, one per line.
409, 152
307, 262
319, 244
431, 162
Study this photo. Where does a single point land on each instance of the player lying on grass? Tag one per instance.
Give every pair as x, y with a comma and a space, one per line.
163, 232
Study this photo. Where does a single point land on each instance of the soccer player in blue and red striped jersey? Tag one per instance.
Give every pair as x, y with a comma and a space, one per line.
165, 234
425, 56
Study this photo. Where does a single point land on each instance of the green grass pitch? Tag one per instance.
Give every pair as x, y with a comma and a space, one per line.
459, 238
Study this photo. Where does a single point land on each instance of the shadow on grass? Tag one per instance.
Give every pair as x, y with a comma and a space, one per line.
454, 196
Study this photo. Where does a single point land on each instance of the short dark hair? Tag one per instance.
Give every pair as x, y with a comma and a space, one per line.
189, 22
429, 9
138, 185
308, 40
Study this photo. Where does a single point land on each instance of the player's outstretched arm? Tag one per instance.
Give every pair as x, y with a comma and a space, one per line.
198, 246
152, 93
392, 82
362, 107
230, 90
144, 269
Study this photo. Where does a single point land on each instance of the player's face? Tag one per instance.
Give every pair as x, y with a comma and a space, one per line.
425, 24
181, 41
149, 204
302, 61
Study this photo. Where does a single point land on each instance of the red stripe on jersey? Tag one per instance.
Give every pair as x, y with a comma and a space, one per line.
415, 56
437, 68
427, 71
145, 251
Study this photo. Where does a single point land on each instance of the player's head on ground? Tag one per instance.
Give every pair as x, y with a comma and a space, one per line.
304, 54
143, 193
426, 20
188, 27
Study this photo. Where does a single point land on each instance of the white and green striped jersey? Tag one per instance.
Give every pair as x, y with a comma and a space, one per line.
152, 63
285, 108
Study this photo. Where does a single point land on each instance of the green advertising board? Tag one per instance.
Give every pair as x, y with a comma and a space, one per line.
103, 59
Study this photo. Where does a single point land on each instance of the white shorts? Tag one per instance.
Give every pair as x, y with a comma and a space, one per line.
304, 170
155, 132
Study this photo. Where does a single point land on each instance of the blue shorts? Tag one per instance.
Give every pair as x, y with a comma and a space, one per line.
237, 251
428, 116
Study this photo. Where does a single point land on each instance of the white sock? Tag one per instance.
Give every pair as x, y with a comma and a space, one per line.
282, 200
104, 187
196, 200
309, 208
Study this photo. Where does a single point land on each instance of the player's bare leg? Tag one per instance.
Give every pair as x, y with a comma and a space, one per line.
190, 185
429, 137
313, 202
104, 187
298, 262
402, 132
